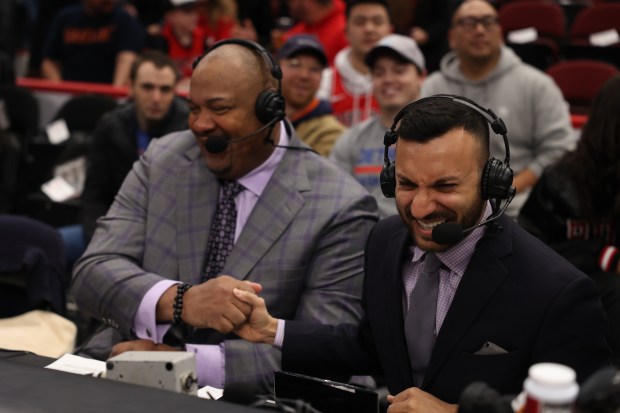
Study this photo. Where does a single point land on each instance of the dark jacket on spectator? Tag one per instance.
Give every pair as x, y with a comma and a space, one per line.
113, 152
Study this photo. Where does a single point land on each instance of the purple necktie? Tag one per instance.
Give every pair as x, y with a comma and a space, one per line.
222, 235
420, 319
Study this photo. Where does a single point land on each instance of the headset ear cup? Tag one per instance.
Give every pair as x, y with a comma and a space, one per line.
269, 106
496, 182
388, 180
390, 137
484, 181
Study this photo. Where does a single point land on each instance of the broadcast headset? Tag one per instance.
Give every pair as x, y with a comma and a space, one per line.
269, 107
496, 182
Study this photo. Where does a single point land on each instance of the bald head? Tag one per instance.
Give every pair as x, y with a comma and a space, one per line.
243, 60
224, 91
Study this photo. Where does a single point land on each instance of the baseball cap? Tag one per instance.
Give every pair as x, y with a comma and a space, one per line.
302, 42
404, 46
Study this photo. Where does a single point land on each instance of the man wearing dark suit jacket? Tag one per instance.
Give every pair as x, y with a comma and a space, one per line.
505, 301
299, 231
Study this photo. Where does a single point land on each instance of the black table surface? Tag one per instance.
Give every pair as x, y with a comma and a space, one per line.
28, 387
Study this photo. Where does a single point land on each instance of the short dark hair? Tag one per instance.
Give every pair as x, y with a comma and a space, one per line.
159, 60
352, 3
432, 117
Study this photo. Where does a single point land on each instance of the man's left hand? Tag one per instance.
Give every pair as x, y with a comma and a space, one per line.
414, 400
139, 345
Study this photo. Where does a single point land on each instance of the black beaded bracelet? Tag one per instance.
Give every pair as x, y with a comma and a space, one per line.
177, 315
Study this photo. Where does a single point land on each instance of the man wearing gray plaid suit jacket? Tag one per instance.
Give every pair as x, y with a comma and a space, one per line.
300, 232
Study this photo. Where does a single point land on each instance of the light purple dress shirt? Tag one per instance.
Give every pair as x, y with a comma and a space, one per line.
210, 360
455, 261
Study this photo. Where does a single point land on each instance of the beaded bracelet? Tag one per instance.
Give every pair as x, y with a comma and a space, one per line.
177, 315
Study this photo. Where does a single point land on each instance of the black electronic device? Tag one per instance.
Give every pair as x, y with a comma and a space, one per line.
327, 396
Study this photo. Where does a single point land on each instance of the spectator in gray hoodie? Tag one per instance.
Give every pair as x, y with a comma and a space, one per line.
483, 69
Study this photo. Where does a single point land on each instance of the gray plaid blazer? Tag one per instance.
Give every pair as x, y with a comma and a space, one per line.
303, 242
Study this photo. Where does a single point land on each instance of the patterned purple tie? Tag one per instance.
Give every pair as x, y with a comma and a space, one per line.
222, 235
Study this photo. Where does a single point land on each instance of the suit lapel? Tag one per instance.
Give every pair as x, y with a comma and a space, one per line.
196, 188
393, 298
278, 205
484, 274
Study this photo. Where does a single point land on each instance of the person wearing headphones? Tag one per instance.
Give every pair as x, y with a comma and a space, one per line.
237, 202
454, 292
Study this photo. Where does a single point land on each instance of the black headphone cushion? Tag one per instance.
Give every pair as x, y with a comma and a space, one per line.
496, 182
269, 106
387, 178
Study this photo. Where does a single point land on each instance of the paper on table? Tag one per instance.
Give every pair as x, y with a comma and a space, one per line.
58, 189
209, 392
58, 131
78, 365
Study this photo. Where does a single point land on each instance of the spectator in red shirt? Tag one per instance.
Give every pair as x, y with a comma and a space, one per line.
326, 20
185, 39
217, 19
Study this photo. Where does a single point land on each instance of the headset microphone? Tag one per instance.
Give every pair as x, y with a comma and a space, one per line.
269, 141
269, 107
219, 143
453, 232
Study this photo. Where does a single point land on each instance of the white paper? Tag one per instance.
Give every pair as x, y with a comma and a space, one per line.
521, 36
74, 173
606, 38
78, 365
57, 131
58, 190
209, 392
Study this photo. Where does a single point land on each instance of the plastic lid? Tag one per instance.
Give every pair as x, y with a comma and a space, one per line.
551, 382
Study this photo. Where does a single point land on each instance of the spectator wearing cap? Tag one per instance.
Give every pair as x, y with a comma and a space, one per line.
302, 59
397, 69
347, 84
184, 37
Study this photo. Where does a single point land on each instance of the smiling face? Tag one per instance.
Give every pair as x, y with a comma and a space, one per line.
394, 83
438, 181
222, 96
301, 78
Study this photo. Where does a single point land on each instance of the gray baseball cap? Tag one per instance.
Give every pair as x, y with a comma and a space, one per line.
403, 46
